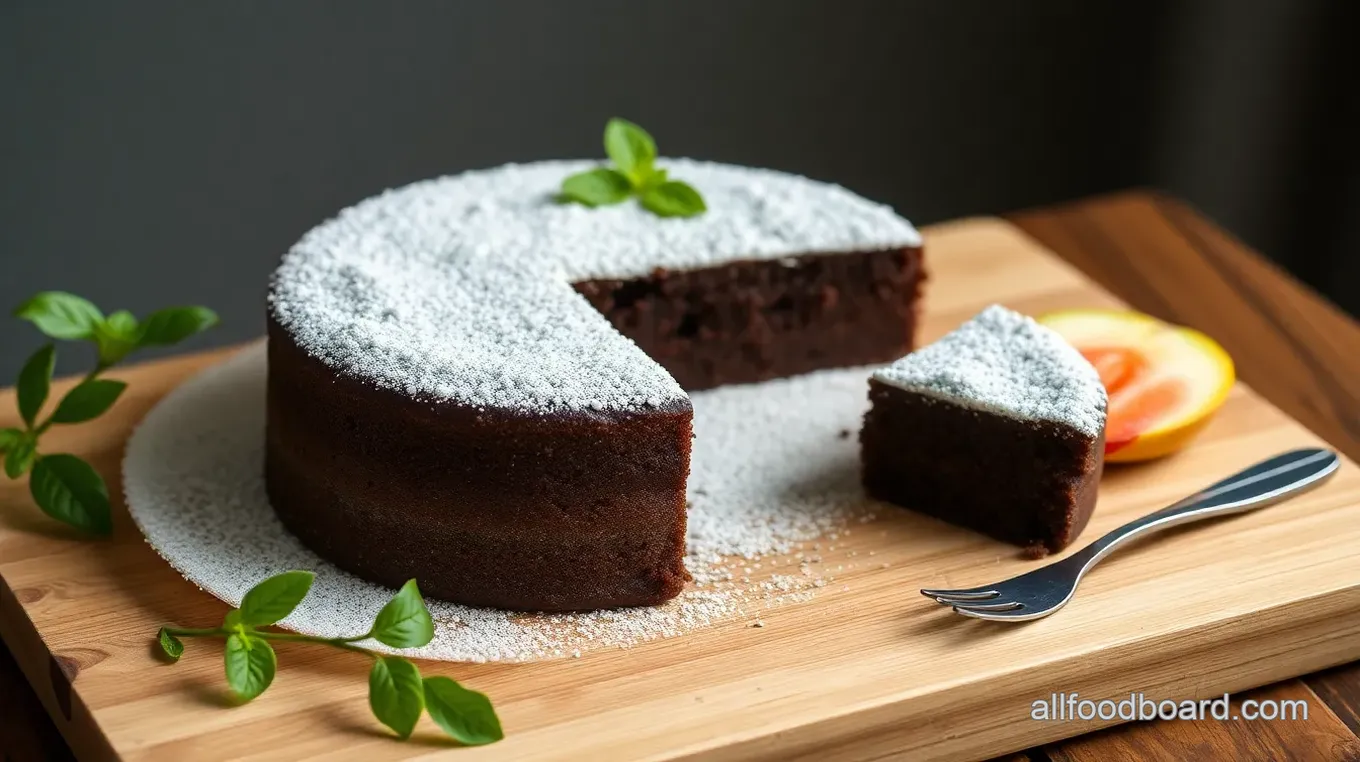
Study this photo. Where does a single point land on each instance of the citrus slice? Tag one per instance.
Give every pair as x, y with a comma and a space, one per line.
1164, 382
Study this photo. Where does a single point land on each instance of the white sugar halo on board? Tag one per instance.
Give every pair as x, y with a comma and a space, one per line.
770, 468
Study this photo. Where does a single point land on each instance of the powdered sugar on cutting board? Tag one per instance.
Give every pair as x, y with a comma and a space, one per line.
770, 470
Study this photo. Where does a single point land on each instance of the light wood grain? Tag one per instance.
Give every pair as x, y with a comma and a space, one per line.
868, 669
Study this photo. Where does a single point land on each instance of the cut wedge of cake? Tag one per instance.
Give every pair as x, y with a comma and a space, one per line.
999, 427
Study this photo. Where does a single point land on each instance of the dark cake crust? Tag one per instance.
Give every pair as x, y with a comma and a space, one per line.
751, 321
1029, 483
489, 508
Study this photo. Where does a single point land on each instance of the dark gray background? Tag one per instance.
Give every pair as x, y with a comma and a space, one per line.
158, 153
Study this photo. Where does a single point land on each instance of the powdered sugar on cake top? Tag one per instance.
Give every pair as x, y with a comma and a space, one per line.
459, 288
1006, 363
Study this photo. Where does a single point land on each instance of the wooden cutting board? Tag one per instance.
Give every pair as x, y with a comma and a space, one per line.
867, 669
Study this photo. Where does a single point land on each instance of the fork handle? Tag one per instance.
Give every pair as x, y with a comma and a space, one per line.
1266, 483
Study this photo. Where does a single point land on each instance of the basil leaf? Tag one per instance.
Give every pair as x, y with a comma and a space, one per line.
250, 664
466, 715
35, 380
275, 598
232, 621
673, 198
630, 148
396, 694
117, 336
9, 438
20, 457
61, 315
657, 177
598, 187
175, 324
404, 622
122, 323
88, 400
68, 489
170, 645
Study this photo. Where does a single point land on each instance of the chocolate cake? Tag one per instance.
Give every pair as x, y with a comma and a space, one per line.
481, 388
999, 427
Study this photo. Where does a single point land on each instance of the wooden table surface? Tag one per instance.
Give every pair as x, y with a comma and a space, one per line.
1293, 348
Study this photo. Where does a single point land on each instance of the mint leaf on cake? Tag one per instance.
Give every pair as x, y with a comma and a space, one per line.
673, 199
634, 174
598, 187
630, 148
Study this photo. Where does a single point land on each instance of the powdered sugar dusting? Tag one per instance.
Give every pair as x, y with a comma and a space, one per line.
769, 471
1006, 363
459, 288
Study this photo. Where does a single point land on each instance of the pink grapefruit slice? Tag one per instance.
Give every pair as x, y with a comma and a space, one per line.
1164, 382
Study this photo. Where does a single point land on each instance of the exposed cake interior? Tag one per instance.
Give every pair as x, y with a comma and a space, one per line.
751, 321
998, 426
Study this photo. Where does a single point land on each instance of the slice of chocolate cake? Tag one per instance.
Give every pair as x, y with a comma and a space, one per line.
999, 427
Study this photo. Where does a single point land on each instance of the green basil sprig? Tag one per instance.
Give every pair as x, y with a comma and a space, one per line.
64, 486
397, 693
634, 174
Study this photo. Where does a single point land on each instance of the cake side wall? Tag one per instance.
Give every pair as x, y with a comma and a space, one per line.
483, 507
1032, 484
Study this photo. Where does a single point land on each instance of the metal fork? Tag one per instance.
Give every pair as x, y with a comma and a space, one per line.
1037, 594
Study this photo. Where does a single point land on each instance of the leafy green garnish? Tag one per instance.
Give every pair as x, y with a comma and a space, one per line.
630, 148
250, 663
173, 325
61, 315
396, 692
90, 399
64, 486
634, 174
673, 199
466, 715
35, 380
171, 645
68, 489
20, 458
404, 622
598, 187
275, 598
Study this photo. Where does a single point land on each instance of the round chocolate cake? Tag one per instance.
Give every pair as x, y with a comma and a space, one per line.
479, 387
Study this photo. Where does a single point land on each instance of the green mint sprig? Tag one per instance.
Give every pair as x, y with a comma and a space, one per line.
634, 174
64, 486
397, 693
